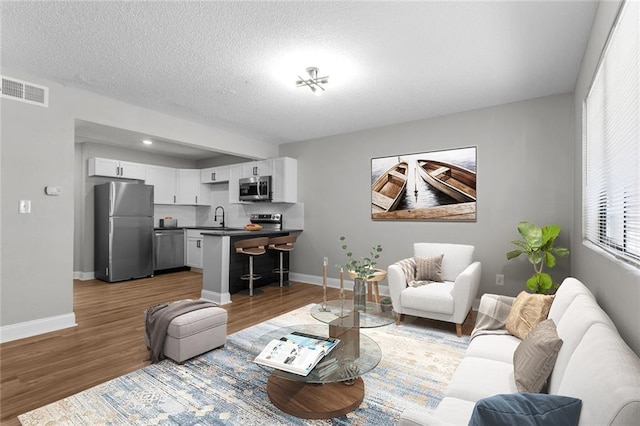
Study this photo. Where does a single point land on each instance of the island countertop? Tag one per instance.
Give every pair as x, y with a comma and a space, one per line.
240, 232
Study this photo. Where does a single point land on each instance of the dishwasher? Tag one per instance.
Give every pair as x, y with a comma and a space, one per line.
168, 249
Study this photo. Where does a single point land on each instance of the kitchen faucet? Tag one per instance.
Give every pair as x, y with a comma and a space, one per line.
215, 215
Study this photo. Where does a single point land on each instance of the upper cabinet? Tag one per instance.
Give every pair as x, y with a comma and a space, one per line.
257, 168
116, 168
284, 178
215, 174
190, 190
284, 181
164, 181
190, 186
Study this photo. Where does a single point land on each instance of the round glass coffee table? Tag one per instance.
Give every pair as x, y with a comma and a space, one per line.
328, 394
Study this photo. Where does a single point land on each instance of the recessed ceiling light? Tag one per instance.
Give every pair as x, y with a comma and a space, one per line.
147, 142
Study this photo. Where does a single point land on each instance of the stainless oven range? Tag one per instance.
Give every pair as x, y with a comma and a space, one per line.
268, 221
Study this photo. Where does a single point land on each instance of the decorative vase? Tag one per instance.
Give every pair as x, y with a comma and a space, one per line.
359, 294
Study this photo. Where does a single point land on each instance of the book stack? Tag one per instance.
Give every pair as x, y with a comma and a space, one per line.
296, 353
325, 368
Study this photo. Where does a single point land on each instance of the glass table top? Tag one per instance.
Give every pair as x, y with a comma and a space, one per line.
339, 313
356, 354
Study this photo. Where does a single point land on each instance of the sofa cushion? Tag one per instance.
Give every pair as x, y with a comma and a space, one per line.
535, 357
429, 268
527, 311
605, 374
454, 411
526, 409
581, 314
435, 297
567, 292
493, 346
456, 257
477, 378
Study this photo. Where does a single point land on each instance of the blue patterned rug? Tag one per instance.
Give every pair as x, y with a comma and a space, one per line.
224, 386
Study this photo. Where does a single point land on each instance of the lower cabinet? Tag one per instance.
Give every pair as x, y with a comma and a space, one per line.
194, 251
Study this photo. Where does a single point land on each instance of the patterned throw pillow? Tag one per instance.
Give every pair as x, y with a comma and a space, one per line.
535, 357
429, 268
526, 312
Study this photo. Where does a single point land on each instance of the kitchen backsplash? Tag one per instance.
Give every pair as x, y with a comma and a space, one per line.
236, 215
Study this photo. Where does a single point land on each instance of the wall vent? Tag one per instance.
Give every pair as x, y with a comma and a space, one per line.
23, 91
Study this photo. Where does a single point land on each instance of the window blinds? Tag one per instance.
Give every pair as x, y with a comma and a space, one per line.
611, 139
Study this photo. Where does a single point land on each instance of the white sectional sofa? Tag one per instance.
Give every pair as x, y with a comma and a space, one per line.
594, 364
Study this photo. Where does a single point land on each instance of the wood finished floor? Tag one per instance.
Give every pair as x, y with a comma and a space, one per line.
109, 339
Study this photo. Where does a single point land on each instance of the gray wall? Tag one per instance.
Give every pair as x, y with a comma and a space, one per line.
37, 248
615, 284
36, 278
524, 173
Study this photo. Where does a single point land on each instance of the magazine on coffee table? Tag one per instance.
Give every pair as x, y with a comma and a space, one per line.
297, 353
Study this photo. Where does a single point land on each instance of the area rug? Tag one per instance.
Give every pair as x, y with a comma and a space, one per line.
224, 386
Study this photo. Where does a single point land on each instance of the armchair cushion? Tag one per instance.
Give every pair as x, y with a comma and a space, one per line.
456, 257
429, 268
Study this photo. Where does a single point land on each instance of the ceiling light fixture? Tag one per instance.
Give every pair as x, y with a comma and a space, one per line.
147, 142
314, 82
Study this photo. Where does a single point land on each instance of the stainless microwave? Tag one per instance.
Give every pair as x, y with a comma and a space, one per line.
255, 188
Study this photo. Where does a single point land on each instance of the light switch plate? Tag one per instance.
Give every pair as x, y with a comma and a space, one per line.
25, 206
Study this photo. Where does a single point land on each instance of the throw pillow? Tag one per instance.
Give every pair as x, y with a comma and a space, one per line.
526, 409
527, 311
429, 268
536, 356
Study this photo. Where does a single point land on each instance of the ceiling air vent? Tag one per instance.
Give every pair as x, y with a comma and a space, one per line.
19, 90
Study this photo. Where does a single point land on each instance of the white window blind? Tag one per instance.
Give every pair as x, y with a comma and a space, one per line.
611, 143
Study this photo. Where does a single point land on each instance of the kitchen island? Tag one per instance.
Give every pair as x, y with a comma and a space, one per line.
222, 266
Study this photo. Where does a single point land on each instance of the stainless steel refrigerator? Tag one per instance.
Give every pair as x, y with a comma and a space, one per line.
123, 231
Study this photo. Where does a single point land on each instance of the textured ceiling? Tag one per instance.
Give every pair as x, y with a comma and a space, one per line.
233, 65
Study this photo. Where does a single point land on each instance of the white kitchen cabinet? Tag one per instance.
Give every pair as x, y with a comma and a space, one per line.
215, 174
116, 168
257, 168
190, 191
194, 251
235, 174
164, 181
284, 180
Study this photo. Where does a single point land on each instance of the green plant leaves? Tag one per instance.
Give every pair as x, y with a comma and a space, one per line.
537, 244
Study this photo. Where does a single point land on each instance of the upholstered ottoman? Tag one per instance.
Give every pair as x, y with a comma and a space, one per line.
195, 333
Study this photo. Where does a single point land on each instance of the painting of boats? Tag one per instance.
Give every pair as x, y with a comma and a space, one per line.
389, 188
437, 185
455, 181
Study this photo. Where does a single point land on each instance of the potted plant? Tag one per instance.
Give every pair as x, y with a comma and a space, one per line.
361, 269
537, 245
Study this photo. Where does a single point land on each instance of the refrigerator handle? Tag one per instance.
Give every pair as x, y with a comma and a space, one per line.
112, 199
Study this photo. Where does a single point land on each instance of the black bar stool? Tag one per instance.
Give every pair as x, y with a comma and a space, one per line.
282, 244
251, 247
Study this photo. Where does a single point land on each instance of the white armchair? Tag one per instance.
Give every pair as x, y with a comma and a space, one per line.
449, 300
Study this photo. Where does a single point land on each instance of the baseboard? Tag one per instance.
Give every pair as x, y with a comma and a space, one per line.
212, 296
332, 282
84, 276
35, 327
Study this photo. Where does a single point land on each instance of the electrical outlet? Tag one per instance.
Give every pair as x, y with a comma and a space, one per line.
499, 279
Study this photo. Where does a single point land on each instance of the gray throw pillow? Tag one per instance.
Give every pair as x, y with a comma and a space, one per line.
535, 357
526, 409
429, 268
